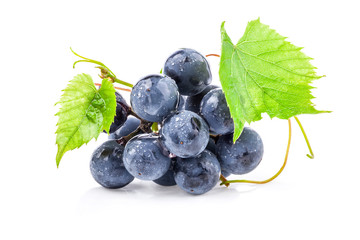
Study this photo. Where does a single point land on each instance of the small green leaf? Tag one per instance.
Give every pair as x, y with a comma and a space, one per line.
84, 113
263, 73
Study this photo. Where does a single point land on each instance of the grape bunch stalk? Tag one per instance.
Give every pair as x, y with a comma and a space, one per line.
177, 130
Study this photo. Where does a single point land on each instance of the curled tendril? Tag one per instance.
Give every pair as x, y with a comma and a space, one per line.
105, 71
311, 155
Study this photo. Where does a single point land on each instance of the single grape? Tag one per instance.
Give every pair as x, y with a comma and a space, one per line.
193, 102
154, 97
131, 124
168, 178
244, 155
184, 134
107, 167
122, 111
190, 70
215, 111
145, 158
199, 174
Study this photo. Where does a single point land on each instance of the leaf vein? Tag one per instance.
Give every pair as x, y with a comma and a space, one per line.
273, 63
257, 41
280, 50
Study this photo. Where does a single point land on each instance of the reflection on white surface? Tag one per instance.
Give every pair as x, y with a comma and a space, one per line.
148, 193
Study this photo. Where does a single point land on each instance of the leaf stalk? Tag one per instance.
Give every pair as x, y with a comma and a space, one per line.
118, 88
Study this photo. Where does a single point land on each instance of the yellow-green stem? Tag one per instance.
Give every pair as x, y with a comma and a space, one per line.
311, 155
123, 82
103, 69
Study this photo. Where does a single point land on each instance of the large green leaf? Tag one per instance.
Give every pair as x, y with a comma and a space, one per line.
264, 73
84, 113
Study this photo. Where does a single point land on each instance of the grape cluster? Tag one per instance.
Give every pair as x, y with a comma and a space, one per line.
194, 143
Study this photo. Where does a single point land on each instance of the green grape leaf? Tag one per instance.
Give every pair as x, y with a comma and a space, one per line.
84, 113
263, 73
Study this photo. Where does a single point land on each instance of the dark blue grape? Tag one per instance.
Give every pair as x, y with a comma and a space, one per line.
145, 158
107, 167
215, 111
243, 156
122, 111
193, 102
184, 134
199, 174
168, 178
131, 124
225, 173
154, 97
190, 70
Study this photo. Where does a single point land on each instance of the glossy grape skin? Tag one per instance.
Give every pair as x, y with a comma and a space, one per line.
215, 111
145, 158
190, 70
122, 111
131, 124
243, 156
107, 167
168, 178
154, 97
184, 134
199, 174
192, 103
182, 101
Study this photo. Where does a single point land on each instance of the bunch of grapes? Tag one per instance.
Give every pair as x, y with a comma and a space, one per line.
178, 131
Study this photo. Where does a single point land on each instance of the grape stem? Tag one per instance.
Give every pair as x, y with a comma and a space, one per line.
118, 88
105, 71
311, 155
273, 177
224, 181
122, 141
155, 127
213, 55
134, 114
145, 126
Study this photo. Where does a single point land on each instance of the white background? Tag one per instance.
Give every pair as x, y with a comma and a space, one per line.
312, 199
